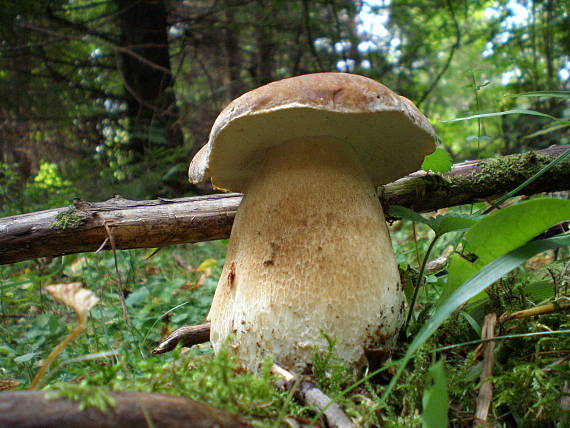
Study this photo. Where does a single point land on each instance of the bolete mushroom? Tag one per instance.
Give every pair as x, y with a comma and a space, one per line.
309, 251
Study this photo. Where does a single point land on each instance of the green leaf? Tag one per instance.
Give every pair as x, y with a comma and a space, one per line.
435, 400
440, 224
438, 161
559, 124
408, 214
501, 232
481, 280
546, 94
140, 295
501, 113
25, 358
452, 223
474, 325
504, 230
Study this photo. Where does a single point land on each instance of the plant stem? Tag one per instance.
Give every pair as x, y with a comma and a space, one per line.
56, 351
419, 281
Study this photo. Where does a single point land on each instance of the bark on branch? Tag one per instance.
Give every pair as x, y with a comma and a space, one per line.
31, 409
158, 223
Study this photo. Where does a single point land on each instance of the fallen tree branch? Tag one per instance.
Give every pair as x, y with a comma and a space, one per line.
31, 409
163, 222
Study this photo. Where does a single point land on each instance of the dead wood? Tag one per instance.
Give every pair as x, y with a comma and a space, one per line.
188, 335
537, 310
485, 396
87, 226
31, 409
308, 394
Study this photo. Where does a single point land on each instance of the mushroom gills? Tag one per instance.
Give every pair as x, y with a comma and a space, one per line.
309, 253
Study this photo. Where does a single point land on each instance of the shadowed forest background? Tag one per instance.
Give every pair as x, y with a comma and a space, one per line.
114, 97
105, 97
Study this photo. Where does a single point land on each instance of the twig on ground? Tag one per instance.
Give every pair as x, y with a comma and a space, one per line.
561, 305
486, 389
189, 335
310, 395
119, 279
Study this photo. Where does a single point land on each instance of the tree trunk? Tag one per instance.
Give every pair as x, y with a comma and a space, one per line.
231, 40
147, 77
158, 223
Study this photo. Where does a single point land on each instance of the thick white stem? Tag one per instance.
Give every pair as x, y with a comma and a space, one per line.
309, 254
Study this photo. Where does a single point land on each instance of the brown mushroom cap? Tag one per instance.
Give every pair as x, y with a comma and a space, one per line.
389, 134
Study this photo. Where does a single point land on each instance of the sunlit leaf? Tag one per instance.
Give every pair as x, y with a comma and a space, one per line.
506, 229
501, 232
439, 161
208, 263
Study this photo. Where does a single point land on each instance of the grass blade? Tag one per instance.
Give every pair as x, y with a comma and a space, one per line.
501, 113
479, 282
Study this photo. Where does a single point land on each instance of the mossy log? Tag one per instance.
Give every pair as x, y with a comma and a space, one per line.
31, 409
123, 224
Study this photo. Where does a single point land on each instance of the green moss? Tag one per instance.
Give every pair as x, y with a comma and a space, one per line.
68, 219
85, 394
492, 173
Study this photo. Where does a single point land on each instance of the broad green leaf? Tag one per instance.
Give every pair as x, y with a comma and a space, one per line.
452, 223
459, 270
509, 228
479, 282
435, 401
501, 113
438, 161
501, 232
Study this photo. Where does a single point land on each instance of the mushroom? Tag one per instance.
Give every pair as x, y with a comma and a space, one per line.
309, 252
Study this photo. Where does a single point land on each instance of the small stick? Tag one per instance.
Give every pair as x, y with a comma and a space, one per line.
310, 395
120, 280
189, 335
538, 310
486, 389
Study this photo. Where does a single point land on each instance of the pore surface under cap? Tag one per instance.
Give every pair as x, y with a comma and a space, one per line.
388, 133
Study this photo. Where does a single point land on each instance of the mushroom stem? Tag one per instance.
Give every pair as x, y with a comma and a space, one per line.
309, 254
